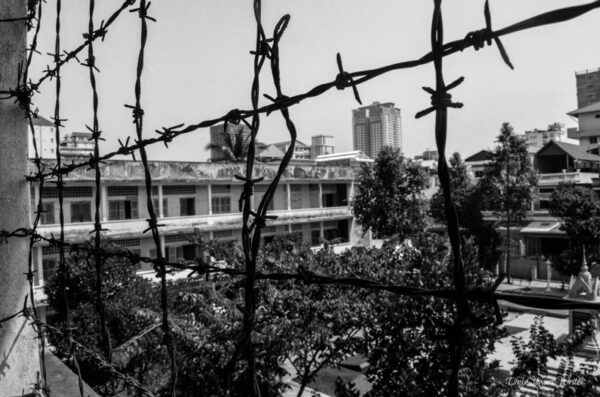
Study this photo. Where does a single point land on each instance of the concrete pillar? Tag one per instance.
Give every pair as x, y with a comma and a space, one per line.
320, 196
350, 194
289, 196
34, 202
104, 202
18, 344
40, 264
161, 209
210, 210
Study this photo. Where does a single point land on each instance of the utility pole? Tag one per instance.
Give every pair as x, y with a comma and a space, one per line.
19, 359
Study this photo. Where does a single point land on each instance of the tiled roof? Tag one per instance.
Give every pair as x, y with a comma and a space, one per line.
42, 122
594, 107
575, 151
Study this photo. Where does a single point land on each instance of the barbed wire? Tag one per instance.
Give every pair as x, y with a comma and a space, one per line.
253, 220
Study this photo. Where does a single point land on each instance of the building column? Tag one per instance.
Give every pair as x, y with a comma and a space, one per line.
350, 193
161, 209
322, 229
320, 196
33, 206
39, 265
104, 202
210, 209
18, 342
289, 196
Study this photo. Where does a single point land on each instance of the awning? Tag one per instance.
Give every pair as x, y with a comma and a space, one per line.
542, 227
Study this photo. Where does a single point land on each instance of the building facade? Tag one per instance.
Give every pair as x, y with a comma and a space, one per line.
301, 150
376, 126
588, 87
536, 139
588, 132
218, 138
322, 145
194, 199
45, 139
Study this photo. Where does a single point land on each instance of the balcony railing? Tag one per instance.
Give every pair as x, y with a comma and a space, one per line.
572, 177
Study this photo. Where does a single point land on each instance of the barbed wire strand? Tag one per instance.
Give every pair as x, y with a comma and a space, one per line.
138, 119
63, 269
90, 63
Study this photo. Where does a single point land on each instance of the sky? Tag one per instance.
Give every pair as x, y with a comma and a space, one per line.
198, 67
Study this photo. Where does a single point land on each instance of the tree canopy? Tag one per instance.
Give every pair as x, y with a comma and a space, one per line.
389, 195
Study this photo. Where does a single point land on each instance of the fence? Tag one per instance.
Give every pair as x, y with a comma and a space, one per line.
266, 50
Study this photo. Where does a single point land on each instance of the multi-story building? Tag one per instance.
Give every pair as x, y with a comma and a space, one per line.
428, 155
322, 145
478, 163
376, 126
588, 87
200, 198
536, 139
217, 138
588, 133
77, 144
45, 139
301, 150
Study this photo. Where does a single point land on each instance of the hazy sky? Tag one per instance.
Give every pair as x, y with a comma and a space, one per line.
198, 67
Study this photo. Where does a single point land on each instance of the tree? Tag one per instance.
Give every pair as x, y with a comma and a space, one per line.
468, 203
578, 208
389, 196
407, 337
236, 146
507, 185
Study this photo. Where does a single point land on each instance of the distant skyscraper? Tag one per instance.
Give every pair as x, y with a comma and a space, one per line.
218, 138
588, 87
322, 144
376, 126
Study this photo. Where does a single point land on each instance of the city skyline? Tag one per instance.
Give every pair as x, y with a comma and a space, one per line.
191, 76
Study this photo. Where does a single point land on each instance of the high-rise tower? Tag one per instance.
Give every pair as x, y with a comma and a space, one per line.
376, 126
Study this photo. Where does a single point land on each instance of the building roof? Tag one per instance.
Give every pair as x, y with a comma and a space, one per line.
594, 107
482, 155
42, 122
354, 155
81, 133
575, 151
545, 227
271, 152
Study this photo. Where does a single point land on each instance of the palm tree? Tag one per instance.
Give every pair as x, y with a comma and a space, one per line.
235, 147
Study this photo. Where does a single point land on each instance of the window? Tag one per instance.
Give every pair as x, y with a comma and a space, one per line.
222, 234
187, 206
315, 237
122, 190
165, 206
47, 216
221, 205
72, 191
48, 266
179, 189
81, 211
123, 209
478, 174
593, 139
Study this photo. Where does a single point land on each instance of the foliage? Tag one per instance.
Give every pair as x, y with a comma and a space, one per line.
509, 181
123, 294
578, 208
345, 389
409, 353
532, 360
389, 196
236, 146
467, 199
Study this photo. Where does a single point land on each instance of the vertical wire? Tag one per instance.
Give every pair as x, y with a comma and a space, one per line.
441, 124
105, 339
138, 116
60, 186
